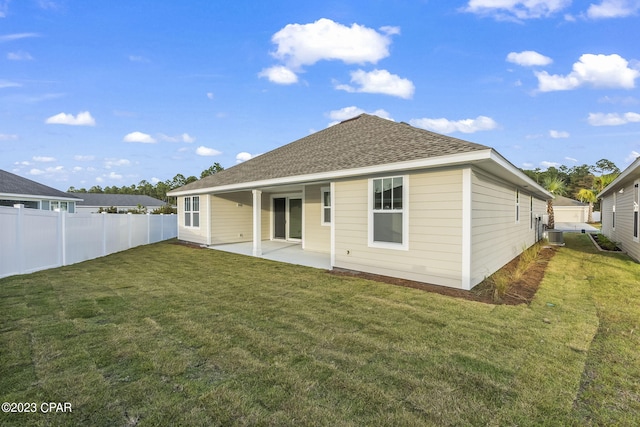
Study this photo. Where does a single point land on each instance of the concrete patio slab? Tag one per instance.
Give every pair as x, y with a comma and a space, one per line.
576, 227
281, 251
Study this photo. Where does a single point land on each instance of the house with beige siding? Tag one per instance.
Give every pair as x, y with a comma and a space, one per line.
376, 196
619, 210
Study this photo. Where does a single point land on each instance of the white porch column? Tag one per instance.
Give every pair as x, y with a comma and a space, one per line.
257, 222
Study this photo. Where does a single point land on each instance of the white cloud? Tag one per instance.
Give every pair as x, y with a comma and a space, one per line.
143, 138
306, 44
19, 56
82, 119
8, 137
17, 36
155, 180
7, 83
206, 151
81, 158
599, 71
137, 58
627, 100
558, 134
243, 157
113, 162
43, 159
632, 156
545, 164
571, 159
185, 137
516, 10
379, 81
528, 58
349, 112
442, 125
612, 119
4, 7
279, 74
210, 95
613, 9
114, 175
50, 170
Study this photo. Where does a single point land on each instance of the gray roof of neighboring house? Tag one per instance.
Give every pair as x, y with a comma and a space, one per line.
108, 200
362, 141
565, 201
19, 186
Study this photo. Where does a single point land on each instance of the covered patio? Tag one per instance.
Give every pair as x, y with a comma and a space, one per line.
281, 251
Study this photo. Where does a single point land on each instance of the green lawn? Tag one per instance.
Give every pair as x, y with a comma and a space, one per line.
170, 335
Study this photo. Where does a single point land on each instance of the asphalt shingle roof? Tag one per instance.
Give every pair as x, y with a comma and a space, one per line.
362, 141
14, 184
107, 200
565, 201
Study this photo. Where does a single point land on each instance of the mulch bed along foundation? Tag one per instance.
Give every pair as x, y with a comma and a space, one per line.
520, 292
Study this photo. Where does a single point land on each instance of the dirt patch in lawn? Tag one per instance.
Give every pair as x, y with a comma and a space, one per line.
520, 292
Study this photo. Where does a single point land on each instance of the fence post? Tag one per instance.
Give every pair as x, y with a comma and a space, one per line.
148, 228
104, 233
20, 237
62, 237
161, 227
129, 227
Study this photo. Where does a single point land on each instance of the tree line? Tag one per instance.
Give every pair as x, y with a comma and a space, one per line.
145, 188
582, 182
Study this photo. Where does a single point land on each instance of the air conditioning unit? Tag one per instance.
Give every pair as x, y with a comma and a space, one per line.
556, 237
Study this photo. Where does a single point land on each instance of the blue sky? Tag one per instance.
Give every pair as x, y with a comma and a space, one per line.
112, 93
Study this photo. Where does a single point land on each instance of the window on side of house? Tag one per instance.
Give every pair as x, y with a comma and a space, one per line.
388, 213
187, 211
195, 211
55, 205
325, 214
531, 212
636, 200
192, 211
613, 212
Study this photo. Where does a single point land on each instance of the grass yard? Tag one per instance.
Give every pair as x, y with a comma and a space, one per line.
171, 335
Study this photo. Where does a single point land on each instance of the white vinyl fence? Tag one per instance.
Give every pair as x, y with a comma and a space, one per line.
32, 239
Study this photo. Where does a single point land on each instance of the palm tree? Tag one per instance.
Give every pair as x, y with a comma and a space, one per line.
590, 195
557, 187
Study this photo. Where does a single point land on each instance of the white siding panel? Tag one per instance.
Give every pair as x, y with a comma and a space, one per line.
317, 237
497, 237
435, 242
623, 233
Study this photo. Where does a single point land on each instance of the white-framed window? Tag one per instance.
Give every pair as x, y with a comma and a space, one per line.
192, 211
388, 213
530, 212
325, 204
636, 220
613, 212
56, 205
517, 206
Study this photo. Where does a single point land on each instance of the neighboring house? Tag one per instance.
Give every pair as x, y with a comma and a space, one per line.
619, 210
92, 202
376, 196
15, 189
569, 210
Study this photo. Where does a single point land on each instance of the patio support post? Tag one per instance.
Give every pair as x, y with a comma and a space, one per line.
257, 222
